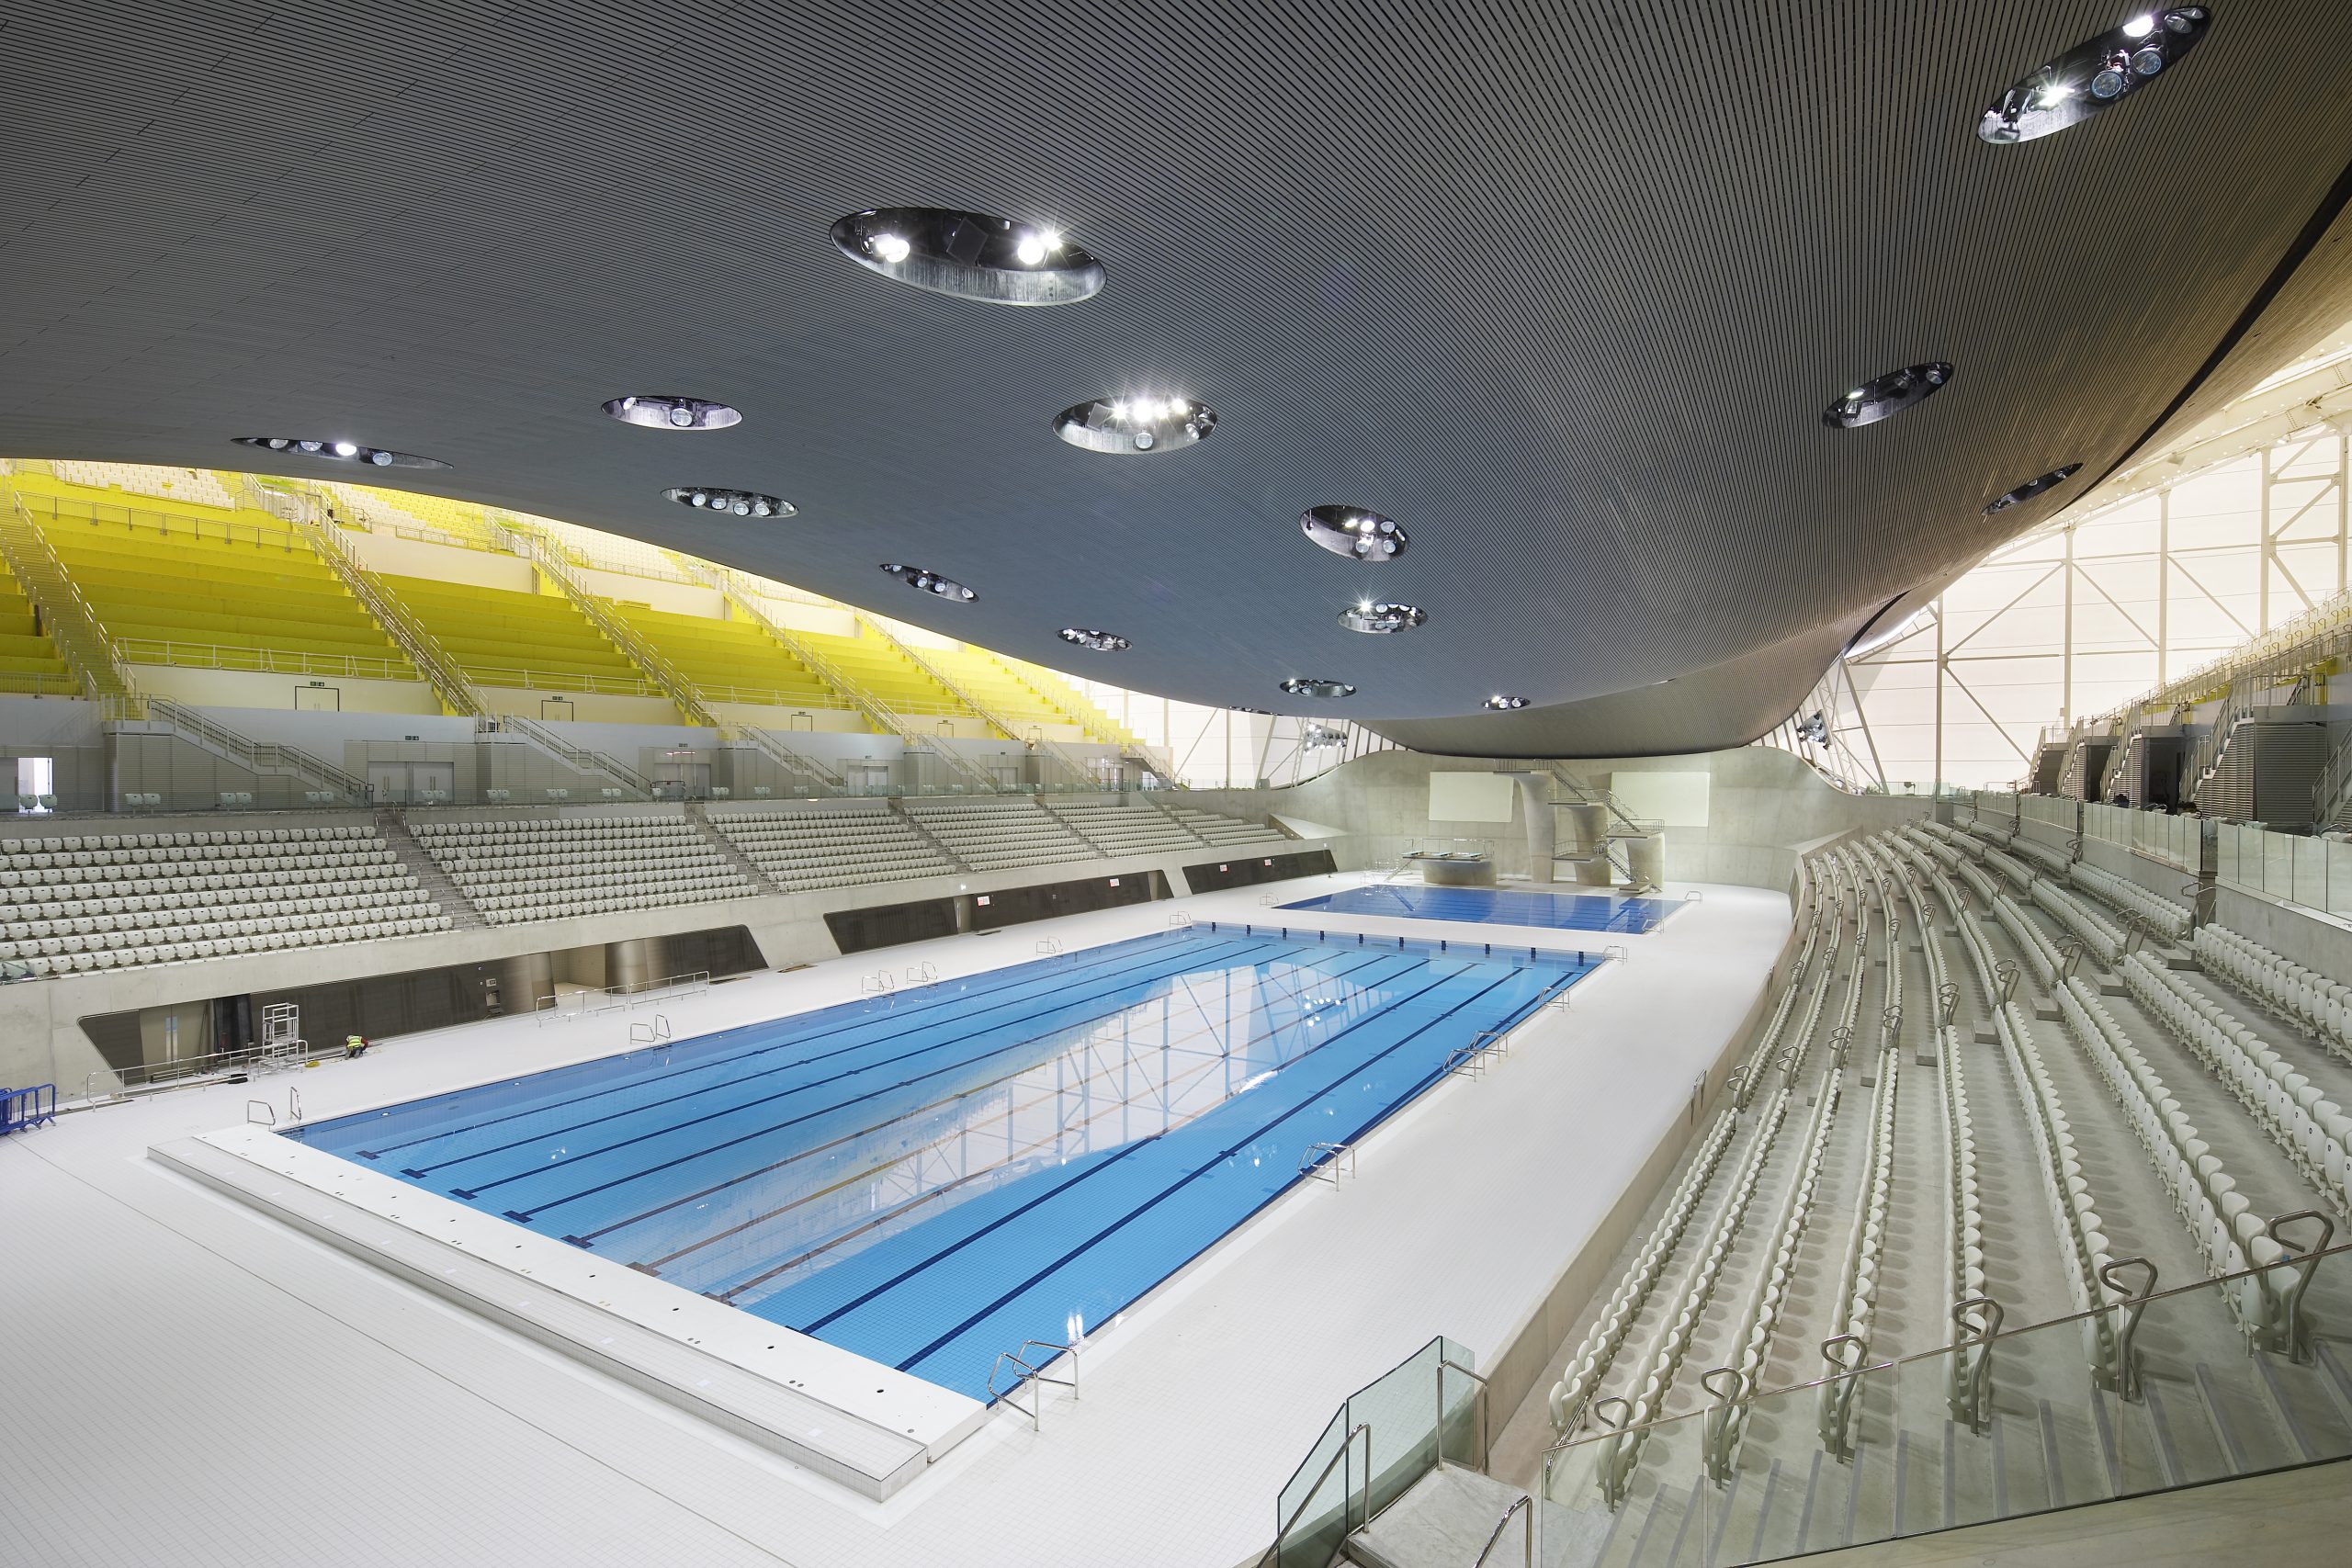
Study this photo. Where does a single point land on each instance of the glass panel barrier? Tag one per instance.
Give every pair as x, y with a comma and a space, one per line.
2210, 1382
1387, 1436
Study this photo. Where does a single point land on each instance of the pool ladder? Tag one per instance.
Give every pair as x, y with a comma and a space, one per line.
1033, 1375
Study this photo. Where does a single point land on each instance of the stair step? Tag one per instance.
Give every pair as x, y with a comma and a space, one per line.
1442, 1520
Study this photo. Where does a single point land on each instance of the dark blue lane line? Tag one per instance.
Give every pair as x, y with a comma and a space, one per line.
1002, 1220
1007, 979
1119, 981
1135, 961
589, 1237
527, 1214
736, 1285
1510, 1020
1210, 1163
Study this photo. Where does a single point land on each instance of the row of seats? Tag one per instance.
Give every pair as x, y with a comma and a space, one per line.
548, 868
117, 899
2311, 1130
1568, 1397
1219, 829
1654, 1377
1854, 1307
1118, 829
2203, 1194
804, 849
2085, 925
2166, 919
1751, 1343
505, 637
999, 834
195, 486
2057, 1163
70, 843
2302, 996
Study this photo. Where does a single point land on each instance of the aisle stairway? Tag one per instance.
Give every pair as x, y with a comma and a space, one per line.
30, 663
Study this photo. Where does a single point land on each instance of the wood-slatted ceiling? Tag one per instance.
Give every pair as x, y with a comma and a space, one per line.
1561, 287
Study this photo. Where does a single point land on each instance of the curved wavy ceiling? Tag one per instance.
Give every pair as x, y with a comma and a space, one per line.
1564, 289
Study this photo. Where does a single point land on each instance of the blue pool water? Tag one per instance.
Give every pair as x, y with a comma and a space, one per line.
982, 1161
1497, 906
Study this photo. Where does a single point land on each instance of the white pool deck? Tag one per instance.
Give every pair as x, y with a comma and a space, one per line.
188, 1380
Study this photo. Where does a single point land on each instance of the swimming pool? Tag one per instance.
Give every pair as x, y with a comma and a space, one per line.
981, 1161
1497, 906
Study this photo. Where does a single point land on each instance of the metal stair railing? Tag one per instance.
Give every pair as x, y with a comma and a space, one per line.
817, 778
1585, 795
1077, 771
81, 638
424, 651
2332, 792
578, 758
1088, 718
257, 757
548, 556
731, 585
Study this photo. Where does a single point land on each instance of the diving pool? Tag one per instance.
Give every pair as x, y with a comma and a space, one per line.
1496, 906
975, 1163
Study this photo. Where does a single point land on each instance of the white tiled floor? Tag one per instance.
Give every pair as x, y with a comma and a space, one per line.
182, 1382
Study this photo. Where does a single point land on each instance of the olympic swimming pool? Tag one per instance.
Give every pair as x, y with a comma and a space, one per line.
1497, 906
981, 1161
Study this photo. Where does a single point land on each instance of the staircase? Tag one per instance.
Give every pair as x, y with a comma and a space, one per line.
1446, 1519
65, 615
393, 830
578, 759
262, 758
1074, 772
548, 556
726, 850
732, 586
457, 695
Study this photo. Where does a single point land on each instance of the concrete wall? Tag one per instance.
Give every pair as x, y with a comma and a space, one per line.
1763, 806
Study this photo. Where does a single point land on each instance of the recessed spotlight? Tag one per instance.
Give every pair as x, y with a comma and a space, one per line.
970, 256
742, 503
2031, 488
1381, 619
1354, 531
2093, 75
668, 411
1147, 423
341, 451
1882, 396
929, 582
1303, 686
1501, 704
1263, 712
1100, 642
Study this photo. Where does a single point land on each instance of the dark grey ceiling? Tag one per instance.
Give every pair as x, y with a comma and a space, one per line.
1563, 288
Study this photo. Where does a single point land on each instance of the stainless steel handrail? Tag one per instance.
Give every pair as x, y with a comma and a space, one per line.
1867, 1368
1446, 1363
1525, 1505
1033, 1374
1316, 1158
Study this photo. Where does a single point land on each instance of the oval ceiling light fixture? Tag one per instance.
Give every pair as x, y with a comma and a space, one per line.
1381, 619
741, 503
1302, 686
1355, 532
1501, 704
2090, 76
1881, 397
670, 410
971, 256
1100, 642
2030, 488
1142, 423
929, 582
340, 452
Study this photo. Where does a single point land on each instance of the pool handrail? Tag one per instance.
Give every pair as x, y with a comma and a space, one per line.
1035, 1408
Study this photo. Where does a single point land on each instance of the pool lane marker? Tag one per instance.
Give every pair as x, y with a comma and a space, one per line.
1205, 1065
1013, 977
1139, 1144
1120, 977
1420, 1086
524, 1216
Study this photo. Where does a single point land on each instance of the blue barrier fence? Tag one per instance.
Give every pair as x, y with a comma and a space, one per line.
21, 1108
